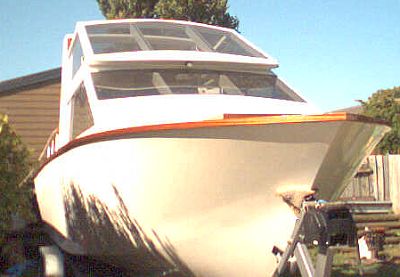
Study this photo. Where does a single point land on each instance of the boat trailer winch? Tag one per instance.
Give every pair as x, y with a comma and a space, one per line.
324, 225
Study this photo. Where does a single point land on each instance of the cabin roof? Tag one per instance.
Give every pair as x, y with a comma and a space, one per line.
135, 37
158, 20
30, 81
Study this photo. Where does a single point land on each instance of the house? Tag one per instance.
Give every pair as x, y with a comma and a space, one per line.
353, 109
32, 105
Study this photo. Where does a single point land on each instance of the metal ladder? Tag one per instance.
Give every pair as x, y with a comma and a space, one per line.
327, 225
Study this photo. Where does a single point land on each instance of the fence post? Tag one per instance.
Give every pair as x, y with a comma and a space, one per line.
379, 178
394, 165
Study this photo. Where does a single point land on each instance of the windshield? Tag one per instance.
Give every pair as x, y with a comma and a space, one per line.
131, 83
147, 36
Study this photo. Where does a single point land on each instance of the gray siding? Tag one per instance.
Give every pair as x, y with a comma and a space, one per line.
33, 113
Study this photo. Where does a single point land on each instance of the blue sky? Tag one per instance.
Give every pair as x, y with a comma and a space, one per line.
332, 51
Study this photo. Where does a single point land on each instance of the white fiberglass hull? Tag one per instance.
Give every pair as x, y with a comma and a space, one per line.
198, 201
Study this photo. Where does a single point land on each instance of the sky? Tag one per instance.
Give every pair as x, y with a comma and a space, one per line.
332, 52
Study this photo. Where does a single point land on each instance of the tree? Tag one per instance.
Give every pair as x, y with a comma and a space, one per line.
14, 167
213, 12
385, 105
113, 9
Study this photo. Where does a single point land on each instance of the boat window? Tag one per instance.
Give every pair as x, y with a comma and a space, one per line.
82, 117
145, 36
77, 55
225, 42
131, 83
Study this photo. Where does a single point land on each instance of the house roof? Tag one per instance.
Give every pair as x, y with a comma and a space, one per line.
353, 109
30, 81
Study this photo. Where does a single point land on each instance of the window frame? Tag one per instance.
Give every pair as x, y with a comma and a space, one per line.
81, 88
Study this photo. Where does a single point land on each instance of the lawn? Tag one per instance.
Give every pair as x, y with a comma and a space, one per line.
345, 263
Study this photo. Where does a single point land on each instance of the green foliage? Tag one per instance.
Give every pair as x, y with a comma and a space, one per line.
213, 12
112, 9
385, 105
14, 167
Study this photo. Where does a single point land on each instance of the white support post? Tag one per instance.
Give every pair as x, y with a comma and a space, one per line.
53, 261
304, 261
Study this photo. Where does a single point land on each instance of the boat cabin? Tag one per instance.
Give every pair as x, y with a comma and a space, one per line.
137, 72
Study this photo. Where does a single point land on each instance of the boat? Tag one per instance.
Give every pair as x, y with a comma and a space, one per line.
175, 139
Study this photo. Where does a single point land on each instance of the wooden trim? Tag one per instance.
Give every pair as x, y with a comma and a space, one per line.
228, 121
229, 116
284, 118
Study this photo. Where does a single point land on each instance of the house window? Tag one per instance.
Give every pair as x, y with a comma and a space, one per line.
82, 117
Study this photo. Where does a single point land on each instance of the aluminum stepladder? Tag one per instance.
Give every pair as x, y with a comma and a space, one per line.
327, 225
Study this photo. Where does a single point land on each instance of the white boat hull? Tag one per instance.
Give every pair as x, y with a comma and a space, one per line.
201, 201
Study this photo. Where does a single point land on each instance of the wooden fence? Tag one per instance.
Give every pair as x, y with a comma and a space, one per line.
377, 180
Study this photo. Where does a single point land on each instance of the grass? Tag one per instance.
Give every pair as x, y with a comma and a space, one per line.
345, 263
